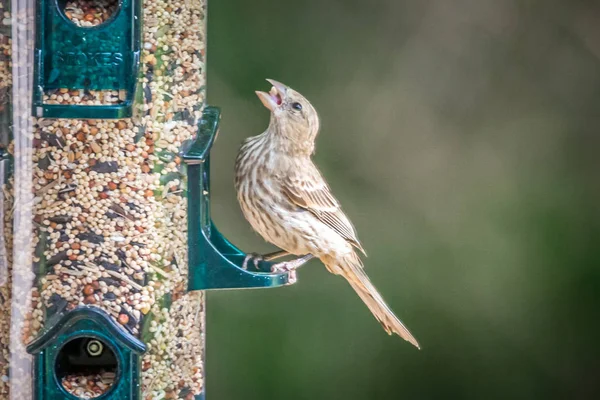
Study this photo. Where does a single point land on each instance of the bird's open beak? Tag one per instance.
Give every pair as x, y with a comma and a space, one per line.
274, 98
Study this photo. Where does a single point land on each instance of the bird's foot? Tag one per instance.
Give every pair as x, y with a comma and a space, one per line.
292, 265
288, 267
292, 277
282, 267
254, 258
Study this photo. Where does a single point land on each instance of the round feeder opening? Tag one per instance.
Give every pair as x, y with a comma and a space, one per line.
86, 367
88, 13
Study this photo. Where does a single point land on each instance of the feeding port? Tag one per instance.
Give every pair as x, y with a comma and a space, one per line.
88, 14
86, 367
87, 58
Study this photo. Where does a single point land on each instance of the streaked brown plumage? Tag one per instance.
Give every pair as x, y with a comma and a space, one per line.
286, 200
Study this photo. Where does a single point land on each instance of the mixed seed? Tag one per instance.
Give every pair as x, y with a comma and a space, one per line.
110, 207
84, 97
88, 386
90, 13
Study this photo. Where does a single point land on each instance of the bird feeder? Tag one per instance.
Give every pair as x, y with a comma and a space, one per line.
107, 243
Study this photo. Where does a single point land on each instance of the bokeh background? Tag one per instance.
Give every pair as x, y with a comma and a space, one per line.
462, 138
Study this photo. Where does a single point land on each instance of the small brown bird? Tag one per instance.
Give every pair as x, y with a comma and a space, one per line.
286, 200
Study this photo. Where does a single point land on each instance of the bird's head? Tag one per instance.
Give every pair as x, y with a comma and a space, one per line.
293, 118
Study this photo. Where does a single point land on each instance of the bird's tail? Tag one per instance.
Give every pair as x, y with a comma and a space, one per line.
351, 268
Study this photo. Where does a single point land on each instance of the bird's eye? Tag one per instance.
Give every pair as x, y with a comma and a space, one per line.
297, 106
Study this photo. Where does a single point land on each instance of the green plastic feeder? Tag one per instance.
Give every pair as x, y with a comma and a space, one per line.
74, 336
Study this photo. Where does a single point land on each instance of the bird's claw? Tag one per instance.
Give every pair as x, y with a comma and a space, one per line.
254, 257
279, 268
283, 267
292, 278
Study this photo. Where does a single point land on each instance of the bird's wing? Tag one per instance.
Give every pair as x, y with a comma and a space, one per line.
310, 192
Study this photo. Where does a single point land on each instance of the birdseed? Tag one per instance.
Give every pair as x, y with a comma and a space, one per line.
87, 14
88, 386
109, 208
84, 97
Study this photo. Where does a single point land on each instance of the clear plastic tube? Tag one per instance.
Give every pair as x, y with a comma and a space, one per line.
5, 207
99, 217
22, 131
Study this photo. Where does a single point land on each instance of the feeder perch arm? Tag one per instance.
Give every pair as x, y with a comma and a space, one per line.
214, 262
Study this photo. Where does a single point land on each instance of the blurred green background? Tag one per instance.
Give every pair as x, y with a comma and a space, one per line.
462, 139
